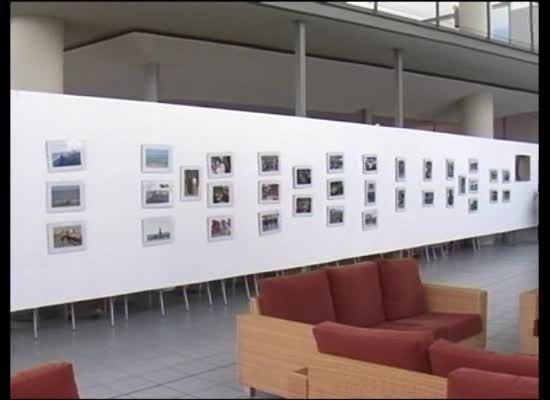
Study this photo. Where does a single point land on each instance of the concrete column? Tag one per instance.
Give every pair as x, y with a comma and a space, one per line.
477, 115
472, 17
366, 116
398, 65
300, 70
152, 77
36, 50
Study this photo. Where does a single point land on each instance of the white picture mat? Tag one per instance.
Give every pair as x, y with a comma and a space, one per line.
115, 261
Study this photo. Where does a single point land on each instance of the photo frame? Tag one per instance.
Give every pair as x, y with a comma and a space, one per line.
370, 193
449, 197
493, 196
400, 170
269, 222
473, 185
449, 169
156, 194
473, 166
427, 170
156, 158
370, 163
335, 216
493, 175
66, 155
506, 196
190, 183
269, 192
461, 185
219, 165
67, 196
428, 198
220, 194
505, 176
66, 237
370, 220
400, 199
302, 205
335, 163
303, 177
220, 228
335, 189
269, 163
157, 231
473, 205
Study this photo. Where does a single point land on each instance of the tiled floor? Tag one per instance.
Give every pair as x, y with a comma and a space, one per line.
192, 354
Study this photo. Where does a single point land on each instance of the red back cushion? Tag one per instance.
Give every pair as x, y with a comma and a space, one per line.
53, 380
357, 294
466, 383
301, 297
446, 356
402, 289
408, 350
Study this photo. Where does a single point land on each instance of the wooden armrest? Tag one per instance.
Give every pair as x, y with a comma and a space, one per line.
456, 299
528, 313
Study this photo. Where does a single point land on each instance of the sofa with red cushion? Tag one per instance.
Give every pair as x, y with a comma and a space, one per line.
54, 380
276, 338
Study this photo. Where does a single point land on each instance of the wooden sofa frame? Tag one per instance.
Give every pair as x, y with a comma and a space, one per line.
274, 355
528, 313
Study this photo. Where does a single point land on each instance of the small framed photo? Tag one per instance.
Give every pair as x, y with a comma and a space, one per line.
65, 237
302, 177
65, 196
493, 175
370, 193
190, 183
505, 176
506, 196
303, 206
461, 184
335, 189
220, 194
269, 164
156, 194
157, 230
450, 197
335, 215
472, 185
269, 192
427, 170
66, 155
335, 163
156, 158
493, 196
428, 197
400, 199
269, 222
400, 169
472, 205
370, 220
473, 165
220, 228
370, 163
450, 169
220, 165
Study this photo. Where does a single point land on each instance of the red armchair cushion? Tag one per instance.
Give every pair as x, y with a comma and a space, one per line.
53, 380
466, 383
357, 294
402, 289
301, 297
445, 357
408, 350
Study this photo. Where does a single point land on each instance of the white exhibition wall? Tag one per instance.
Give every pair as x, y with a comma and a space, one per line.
115, 261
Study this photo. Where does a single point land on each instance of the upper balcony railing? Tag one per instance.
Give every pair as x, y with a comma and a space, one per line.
515, 23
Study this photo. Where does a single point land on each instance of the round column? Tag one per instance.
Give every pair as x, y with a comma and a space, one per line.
36, 49
472, 17
477, 115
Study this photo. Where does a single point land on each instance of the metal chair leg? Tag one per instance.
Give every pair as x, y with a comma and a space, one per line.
35, 322
246, 286
209, 293
256, 284
112, 307
185, 298
223, 292
73, 318
125, 307
161, 301
427, 254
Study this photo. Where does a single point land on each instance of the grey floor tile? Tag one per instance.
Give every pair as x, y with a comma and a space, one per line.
190, 385
219, 392
157, 392
96, 392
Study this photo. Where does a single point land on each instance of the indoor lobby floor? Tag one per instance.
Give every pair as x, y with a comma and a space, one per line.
192, 354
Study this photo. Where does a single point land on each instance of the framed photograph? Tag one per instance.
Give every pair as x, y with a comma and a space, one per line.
449, 169
303, 206
269, 222
220, 165
493, 176
493, 196
269, 192
473, 165
156, 194
157, 230
370, 193
428, 197
370, 163
220, 228
335, 215
427, 170
302, 177
65, 196
269, 164
400, 170
472, 205
335, 163
370, 220
190, 183
505, 176
450, 197
65, 155
156, 158
461, 184
335, 189
472, 185
506, 196
65, 237
400, 199
220, 194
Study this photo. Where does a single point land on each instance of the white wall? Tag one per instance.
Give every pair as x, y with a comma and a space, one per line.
115, 262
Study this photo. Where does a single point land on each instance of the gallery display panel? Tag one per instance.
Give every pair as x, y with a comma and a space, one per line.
230, 151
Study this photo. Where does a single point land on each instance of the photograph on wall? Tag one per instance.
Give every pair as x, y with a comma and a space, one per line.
335, 215
269, 222
461, 184
268, 164
506, 196
472, 205
473, 165
156, 158
335, 189
400, 199
65, 155
450, 196
220, 165
220, 194
156, 194
66, 237
493, 196
268, 192
190, 183
428, 197
427, 169
335, 163
370, 193
220, 228
303, 206
302, 177
399, 169
65, 196
370, 164
493, 176
157, 230
450, 169
505, 176
472, 185
370, 219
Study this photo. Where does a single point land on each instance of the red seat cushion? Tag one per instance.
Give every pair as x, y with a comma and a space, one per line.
450, 326
536, 328
357, 294
402, 289
408, 350
301, 297
53, 380
445, 357
466, 383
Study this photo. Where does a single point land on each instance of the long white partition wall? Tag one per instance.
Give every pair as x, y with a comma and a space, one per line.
115, 261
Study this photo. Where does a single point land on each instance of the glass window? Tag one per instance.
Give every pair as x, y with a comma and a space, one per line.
448, 11
500, 21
